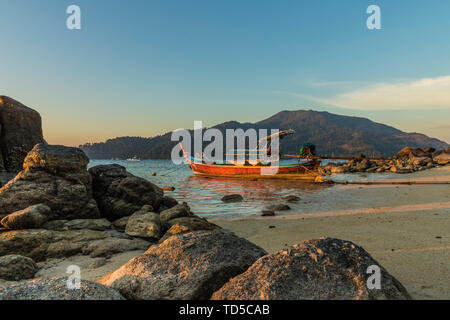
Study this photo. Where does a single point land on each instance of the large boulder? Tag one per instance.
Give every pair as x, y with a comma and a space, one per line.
55, 176
41, 244
185, 266
21, 130
58, 289
119, 193
325, 268
30, 218
15, 267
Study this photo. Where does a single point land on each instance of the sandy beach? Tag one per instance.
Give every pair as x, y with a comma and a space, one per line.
411, 239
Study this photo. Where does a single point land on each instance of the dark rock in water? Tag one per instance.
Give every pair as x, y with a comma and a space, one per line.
55, 176
267, 213
325, 268
145, 224
58, 289
292, 198
232, 198
41, 244
21, 130
15, 268
186, 266
30, 218
119, 193
178, 211
442, 157
279, 207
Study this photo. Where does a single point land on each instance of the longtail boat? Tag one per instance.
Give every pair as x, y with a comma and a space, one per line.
306, 170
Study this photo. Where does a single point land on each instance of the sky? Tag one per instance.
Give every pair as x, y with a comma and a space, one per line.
142, 68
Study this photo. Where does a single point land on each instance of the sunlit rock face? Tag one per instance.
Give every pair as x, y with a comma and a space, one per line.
316, 269
21, 130
55, 176
185, 266
58, 289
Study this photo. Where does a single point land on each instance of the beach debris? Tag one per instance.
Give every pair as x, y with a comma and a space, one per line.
323, 269
57, 289
16, 267
232, 198
187, 266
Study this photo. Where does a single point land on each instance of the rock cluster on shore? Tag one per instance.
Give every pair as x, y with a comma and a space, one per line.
407, 160
56, 208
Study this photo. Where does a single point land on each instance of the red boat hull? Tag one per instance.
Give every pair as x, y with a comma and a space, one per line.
304, 171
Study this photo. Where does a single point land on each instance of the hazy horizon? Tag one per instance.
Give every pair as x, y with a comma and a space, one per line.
149, 67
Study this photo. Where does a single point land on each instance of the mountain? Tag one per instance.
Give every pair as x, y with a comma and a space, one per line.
331, 133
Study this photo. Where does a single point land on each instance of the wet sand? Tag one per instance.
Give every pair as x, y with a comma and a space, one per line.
412, 241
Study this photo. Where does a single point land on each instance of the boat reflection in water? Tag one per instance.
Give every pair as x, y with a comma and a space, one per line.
204, 194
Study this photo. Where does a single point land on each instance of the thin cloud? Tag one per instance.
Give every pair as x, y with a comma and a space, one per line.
427, 93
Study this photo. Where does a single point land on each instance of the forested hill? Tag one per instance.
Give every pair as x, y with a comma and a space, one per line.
332, 134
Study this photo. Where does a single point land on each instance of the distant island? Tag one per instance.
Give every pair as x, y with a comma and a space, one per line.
332, 134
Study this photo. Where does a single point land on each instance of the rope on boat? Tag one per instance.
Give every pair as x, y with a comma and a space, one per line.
168, 172
387, 182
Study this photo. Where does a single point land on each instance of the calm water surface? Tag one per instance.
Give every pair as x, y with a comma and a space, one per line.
203, 194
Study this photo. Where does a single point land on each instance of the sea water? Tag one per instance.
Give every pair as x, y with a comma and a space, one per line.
203, 194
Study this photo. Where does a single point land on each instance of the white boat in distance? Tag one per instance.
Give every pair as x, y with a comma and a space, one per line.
135, 158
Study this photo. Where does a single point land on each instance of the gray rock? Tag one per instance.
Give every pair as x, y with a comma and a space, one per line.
78, 224
121, 223
55, 176
144, 224
232, 198
325, 268
119, 193
177, 211
57, 289
15, 268
29, 218
41, 244
185, 266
